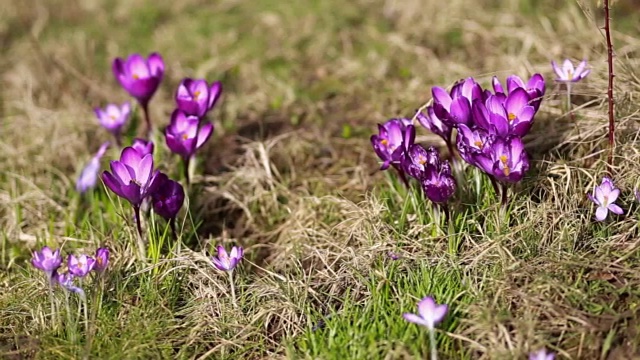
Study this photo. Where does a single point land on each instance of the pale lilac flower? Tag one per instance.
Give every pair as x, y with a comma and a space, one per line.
567, 73
113, 118
89, 176
605, 196
429, 313
47, 260
80, 266
542, 355
66, 281
228, 261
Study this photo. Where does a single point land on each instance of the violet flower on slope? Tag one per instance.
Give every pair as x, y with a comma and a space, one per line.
567, 73
102, 260
46, 260
89, 176
140, 77
184, 136
132, 178
167, 201
605, 195
113, 118
455, 107
507, 160
228, 261
196, 97
429, 315
433, 174
434, 124
80, 266
394, 137
505, 116
535, 88
66, 280
542, 355
143, 147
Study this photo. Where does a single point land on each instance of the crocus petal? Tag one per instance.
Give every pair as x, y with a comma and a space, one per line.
441, 96
214, 94
426, 307
613, 195
156, 65
567, 68
203, 135
137, 66
415, 319
121, 172
143, 172
112, 183
601, 213
614, 208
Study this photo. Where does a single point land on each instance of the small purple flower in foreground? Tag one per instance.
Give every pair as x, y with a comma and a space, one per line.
567, 73
66, 281
89, 175
184, 135
228, 262
429, 313
102, 259
132, 177
80, 266
140, 77
542, 355
196, 97
143, 147
47, 260
168, 199
113, 117
605, 196
637, 194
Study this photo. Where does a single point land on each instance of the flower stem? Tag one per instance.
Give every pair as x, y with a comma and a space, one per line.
432, 342
187, 160
136, 210
401, 174
494, 183
172, 225
147, 119
607, 31
233, 290
54, 319
569, 96
505, 196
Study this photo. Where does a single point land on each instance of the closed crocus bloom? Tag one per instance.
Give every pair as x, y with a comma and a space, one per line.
507, 161
89, 176
438, 183
393, 138
102, 259
113, 117
452, 110
196, 97
535, 88
184, 135
168, 199
143, 147
434, 124
132, 177
47, 260
140, 77
80, 266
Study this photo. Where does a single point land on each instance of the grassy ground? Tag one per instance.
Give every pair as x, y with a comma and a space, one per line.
290, 175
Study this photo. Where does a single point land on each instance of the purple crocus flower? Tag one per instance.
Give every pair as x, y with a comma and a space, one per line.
196, 97
429, 313
472, 142
140, 77
417, 159
507, 160
605, 196
113, 118
228, 261
89, 175
80, 266
567, 73
184, 135
133, 179
637, 194
143, 147
535, 88
66, 281
46, 260
505, 116
102, 260
542, 355
434, 124
438, 183
451, 108
393, 138
168, 199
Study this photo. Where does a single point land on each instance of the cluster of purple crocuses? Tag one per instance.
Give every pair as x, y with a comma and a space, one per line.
50, 262
489, 128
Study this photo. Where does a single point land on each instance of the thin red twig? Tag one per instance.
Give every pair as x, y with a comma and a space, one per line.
607, 31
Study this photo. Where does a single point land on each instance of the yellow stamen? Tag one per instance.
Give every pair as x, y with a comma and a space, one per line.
478, 143
384, 142
185, 136
506, 171
196, 94
511, 117
503, 159
136, 77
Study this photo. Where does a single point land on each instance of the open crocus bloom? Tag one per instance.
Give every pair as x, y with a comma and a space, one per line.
184, 135
132, 177
46, 260
605, 196
196, 97
505, 116
140, 77
567, 73
228, 261
429, 313
393, 138
80, 266
507, 160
